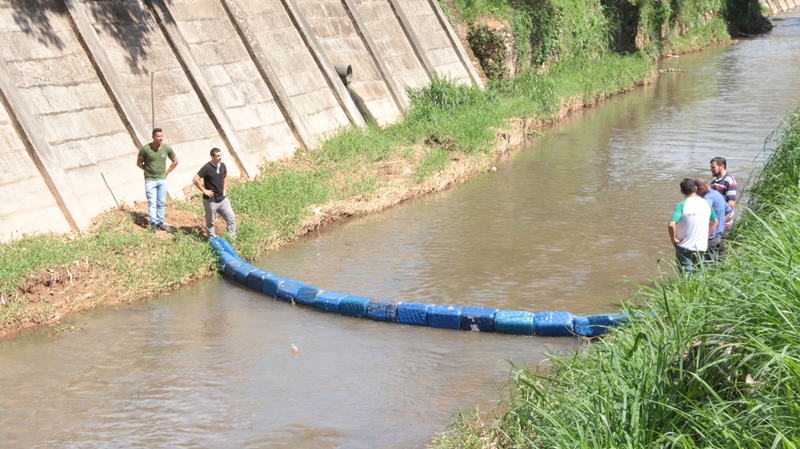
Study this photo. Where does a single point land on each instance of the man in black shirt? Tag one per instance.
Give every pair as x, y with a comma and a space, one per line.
214, 175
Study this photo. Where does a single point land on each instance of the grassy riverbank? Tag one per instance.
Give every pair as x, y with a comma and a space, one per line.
712, 361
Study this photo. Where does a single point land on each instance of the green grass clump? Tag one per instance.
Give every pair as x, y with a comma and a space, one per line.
711, 360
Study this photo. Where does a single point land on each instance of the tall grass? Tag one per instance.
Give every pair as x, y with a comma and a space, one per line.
713, 360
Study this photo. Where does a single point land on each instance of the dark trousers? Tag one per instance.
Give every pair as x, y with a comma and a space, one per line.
687, 259
714, 245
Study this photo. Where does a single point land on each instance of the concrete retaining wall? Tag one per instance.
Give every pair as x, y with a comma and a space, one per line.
83, 82
779, 6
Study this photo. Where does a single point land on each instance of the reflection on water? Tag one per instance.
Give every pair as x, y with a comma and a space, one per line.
558, 227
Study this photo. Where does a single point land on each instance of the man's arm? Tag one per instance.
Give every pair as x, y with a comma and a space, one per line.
730, 194
712, 226
672, 228
140, 162
197, 182
172, 165
225, 185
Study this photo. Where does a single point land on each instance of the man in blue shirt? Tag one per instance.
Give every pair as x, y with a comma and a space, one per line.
723, 211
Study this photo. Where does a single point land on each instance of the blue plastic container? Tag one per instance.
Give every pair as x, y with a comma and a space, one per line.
237, 265
514, 322
353, 306
225, 258
289, 289
446, 317
415, 313
240, 272
382, 310
307, 296
217, 245
553, 324
329, 301
255, 279
270, 284
477, 319
594, 325
227, 246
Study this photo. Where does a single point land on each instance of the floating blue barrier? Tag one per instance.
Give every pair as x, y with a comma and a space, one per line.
415, 313
594, 325
477, 319
289, 289
382, 310
329, 301
483, 319
353, 306
514, 322
307, 296
447, 317
553, 324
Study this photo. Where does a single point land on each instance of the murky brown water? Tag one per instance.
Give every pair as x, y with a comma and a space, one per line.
557, 227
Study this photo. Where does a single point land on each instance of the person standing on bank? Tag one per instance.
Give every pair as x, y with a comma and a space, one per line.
214, 176
153, 160
724, 183
721, 209
692, 223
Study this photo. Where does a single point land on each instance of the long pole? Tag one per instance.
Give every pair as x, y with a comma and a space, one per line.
109, 189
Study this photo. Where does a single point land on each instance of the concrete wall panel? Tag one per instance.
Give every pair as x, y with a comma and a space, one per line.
340, 40
290, 58
437, 45
392, 45
32, 207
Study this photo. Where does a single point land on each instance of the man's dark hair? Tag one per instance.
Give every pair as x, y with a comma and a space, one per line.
156, 130
687, 186
214, 151
720, 161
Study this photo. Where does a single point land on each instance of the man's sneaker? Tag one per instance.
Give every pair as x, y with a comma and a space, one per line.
163, 226
153, 227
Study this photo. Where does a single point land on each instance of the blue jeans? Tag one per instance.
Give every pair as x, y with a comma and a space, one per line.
156, 191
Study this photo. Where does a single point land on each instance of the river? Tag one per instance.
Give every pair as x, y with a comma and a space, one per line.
572, 222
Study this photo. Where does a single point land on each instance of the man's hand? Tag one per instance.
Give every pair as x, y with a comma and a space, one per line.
672, 228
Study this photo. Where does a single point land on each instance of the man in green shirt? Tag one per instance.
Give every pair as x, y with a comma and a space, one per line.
153, 160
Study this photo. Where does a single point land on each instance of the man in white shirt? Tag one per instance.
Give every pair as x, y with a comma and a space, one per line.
692, 223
